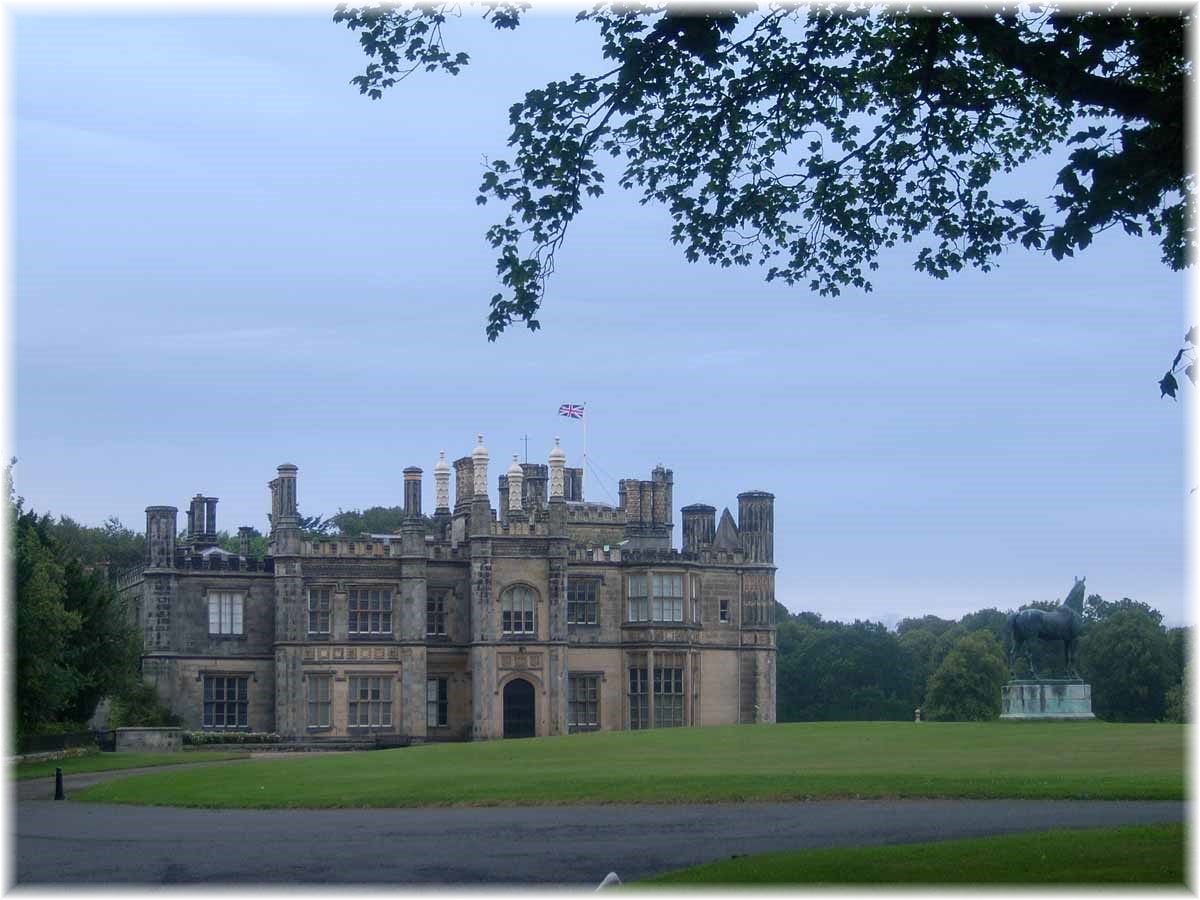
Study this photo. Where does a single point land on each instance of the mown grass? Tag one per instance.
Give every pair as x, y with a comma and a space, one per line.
1147, 854
104, 762
767, 762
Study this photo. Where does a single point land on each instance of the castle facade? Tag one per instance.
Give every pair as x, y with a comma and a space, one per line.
541, 616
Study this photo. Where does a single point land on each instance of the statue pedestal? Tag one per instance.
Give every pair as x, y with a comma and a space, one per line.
1046, 700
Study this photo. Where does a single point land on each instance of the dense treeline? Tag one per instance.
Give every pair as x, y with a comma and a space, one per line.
953, 670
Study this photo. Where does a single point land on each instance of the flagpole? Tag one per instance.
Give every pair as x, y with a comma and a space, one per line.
583, 472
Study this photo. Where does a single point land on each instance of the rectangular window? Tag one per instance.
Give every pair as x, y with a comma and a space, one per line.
224, 612
724, 612
319, 687
639, 700
370, 701
318, 612
226, 701
639, 601
517, 611
581, 601
436, 704
668, 697
435, 615
667, 603
583, 703
370, 612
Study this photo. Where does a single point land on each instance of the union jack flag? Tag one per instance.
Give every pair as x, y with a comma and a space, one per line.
571, 411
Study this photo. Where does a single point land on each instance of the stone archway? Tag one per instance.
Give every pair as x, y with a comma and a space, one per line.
520, 709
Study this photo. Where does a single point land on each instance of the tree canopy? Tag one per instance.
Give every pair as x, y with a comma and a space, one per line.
810, 139
966, 686
74, 640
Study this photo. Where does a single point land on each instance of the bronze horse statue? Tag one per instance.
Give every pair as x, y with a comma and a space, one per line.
1064, 623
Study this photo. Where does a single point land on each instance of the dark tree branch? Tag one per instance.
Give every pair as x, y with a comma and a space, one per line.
1068, 82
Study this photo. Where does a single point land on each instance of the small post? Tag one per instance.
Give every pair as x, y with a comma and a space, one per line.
917, 714
58, 788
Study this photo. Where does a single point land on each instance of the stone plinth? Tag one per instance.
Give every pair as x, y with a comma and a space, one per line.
149, 740
1046, 700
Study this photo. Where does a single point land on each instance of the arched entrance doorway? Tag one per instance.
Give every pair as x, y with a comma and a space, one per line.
519, 709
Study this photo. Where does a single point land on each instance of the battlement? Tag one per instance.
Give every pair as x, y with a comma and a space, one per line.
352, 548
586, 554
520, 529
219, 562
129, 577
582, 513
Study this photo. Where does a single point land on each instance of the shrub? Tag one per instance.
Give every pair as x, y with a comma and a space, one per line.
139, 706
199, 738
966, 687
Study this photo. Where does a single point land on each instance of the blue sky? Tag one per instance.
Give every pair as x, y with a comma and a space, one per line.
226, 258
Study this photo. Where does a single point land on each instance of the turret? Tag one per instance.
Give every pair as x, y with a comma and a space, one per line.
556, 503
285, 516
160, 536
516, 479
756, 525
699, 527
479, 464
558, 464
441, 480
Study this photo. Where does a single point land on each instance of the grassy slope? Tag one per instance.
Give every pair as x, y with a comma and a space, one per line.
104, 762
1151, 854
834, 759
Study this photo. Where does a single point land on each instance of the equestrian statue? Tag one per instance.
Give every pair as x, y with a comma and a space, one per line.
1063, 623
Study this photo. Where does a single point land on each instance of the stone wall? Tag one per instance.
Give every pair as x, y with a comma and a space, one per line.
149, 740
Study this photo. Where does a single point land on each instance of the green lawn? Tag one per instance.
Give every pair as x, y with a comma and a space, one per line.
1149, 854
104, 762
763, 762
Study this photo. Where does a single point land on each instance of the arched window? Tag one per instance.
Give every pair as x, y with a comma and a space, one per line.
517, 611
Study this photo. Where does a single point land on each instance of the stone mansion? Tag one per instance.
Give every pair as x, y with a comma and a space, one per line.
543, 615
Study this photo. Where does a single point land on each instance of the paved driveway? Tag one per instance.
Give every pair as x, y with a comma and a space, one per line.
96, 844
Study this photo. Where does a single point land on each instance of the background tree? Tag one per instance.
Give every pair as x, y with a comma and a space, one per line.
935, 625
75, 642
373, 520
104, 654
966, 687
91, 545
922, 649
832, 671
1126, 658
44, 681
809, 139
259, 543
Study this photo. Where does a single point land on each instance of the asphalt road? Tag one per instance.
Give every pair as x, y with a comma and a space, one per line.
83, 843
